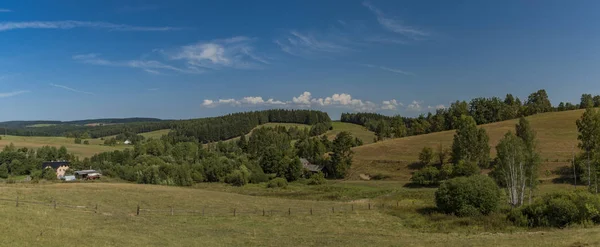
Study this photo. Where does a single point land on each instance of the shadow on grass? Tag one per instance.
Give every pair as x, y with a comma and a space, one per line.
565, 174
428, 210
416, 186
415, 166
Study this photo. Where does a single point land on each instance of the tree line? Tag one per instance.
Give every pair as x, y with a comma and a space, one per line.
482, 110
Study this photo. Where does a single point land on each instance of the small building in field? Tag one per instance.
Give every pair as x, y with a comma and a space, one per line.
88, 174
310, 167
69, 178
127, 142
60, 167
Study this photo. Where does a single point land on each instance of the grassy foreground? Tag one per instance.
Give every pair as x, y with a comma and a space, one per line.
115, 224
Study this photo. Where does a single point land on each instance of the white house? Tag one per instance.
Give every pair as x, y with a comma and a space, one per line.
127, 142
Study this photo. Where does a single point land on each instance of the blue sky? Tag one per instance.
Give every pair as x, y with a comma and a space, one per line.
66, 60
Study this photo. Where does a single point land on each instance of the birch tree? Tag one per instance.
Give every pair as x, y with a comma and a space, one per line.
532, 159
512, 168
589, 142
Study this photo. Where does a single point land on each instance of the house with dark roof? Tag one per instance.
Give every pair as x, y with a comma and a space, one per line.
310, 167
60, 167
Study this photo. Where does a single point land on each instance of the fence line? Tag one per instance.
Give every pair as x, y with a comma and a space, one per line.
220, 211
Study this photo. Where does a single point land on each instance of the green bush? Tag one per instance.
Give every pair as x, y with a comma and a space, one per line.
562, 209
236, 178
426, 155
468, 196
3, 171
317, 179
464, 168
86, 142
49, 174
516, 216
427, 176
380, 176
277, 183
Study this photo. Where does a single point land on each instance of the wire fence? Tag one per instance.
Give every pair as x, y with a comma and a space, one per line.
213, 210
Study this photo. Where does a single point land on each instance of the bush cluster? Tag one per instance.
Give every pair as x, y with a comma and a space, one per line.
559, 210
468, 196
277, 183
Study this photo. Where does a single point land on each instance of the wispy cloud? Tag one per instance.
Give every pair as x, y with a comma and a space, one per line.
303, 44
7, 26
236, 52
415, 106
10, 94
398, 71
390, 104
70, 89
150, 66
395, 25
5, 10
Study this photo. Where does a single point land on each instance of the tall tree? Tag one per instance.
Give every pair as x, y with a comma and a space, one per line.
538, 102
341, 158
586, 101
511, 167
589, 140
532, 158
470, 144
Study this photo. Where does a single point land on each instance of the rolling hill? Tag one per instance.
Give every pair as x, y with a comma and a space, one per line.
556, 136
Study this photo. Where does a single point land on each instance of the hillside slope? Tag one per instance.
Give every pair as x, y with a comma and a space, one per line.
556, 136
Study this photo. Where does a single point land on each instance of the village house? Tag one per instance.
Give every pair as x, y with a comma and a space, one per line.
60, 167
310, 167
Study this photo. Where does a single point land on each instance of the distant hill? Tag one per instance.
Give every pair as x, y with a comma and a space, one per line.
556, 136
46, 123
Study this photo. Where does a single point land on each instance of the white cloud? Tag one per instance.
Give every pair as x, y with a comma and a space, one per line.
398, 71
70, 89
235, 52
10, 94
390, 104
6, 26
440, 106
415, 106
395, 25
303, 99
150, 66
5, 10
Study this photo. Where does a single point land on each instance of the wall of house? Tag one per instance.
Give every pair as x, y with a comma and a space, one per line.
60, 171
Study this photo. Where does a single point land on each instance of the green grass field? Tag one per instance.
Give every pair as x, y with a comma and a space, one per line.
116, 223
357, 130
80, 150
157, 134
556, 136
40, 125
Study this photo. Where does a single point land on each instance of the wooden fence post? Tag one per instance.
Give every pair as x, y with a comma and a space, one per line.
310, 211
17, 201
382, 206
369, 206
96, 209
172, 213
397, 203
138, 210
54, 203
263, 212
234, 212
333, 210
289, 211
352, 209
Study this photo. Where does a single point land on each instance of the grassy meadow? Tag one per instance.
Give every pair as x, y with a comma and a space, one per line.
81, 150
357, 130
116, 224
556, 137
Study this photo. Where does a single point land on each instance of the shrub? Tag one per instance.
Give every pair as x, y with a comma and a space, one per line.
3, 171
49, 174
277, 183
468, 196
317, 179
77, 141
236, 178
426, 155
516, 216
563, 209
426, 176
464, 168
86, 142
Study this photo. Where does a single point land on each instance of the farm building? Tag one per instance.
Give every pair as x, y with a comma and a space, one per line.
88, 174
60, 167
310, 167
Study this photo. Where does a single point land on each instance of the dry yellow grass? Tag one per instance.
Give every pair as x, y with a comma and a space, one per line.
556, 136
